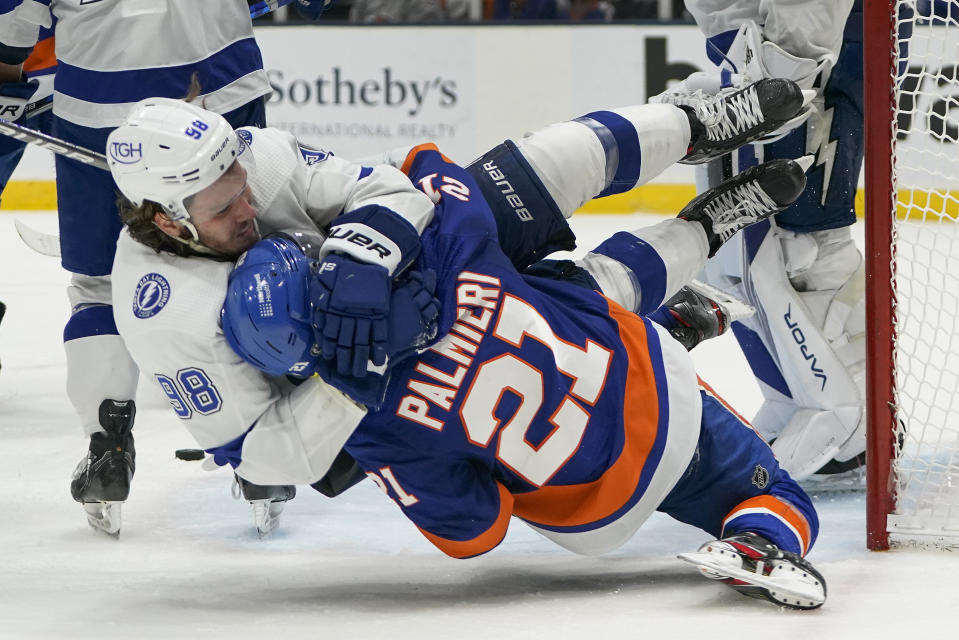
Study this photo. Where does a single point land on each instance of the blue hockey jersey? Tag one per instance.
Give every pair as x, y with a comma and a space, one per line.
543, 400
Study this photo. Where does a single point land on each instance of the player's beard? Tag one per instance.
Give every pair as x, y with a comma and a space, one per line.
244, 236
247, 235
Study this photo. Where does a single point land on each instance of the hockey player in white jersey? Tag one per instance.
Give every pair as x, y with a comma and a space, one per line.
111, 54
801, 271
200, 195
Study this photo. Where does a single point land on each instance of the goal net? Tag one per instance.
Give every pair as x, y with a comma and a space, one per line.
911, 52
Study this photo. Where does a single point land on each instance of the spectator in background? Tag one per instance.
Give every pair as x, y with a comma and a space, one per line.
385, 11
637, 9
577, 10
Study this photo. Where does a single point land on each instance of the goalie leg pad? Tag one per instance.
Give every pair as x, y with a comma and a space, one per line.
814, 340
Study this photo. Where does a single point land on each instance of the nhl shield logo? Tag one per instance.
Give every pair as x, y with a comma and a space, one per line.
760, 476
151, 295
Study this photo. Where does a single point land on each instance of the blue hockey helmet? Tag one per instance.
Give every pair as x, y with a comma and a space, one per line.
266, 315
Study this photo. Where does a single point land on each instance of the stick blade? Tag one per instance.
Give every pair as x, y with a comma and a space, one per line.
46, 244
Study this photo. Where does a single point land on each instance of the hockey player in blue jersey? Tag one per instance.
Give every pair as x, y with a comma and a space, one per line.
507, 394
544, 400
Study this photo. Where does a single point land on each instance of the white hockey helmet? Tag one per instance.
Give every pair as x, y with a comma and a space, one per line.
168, 150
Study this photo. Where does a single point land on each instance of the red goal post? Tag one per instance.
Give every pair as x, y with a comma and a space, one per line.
911, 68
879, 48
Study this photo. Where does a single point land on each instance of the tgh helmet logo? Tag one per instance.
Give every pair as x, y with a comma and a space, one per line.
126, 152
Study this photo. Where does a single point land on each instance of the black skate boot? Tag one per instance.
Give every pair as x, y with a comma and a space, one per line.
757, 568
101, 482
747, 198
733, 117
267, 502
700, 312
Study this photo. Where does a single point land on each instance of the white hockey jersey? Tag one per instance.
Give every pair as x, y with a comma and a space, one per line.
167, 310
808, 29
113, 53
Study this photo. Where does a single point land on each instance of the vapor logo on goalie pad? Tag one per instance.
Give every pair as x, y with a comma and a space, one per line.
800, 338
151, 295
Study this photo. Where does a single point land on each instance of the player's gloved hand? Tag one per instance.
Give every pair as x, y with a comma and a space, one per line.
414, 311
312, 9
17, 100
412, 322
350, 301
369, 391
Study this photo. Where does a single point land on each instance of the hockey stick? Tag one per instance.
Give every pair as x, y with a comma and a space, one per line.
48, 244
70, 150
56, 145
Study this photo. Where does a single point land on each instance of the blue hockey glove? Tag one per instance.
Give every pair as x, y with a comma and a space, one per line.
412, 325
312, 9
350, 301
413, 315
19, 100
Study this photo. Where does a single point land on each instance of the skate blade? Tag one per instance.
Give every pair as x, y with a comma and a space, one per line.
104, 517
792, 591
787, 127
734, 308
266, 516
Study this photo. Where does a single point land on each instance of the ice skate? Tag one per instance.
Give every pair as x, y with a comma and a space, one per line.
702, 312
747, 198
101, 481
735, 116
267, 502
755, 567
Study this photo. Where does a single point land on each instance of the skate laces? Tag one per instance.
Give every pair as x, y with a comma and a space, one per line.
732, 210
729, 116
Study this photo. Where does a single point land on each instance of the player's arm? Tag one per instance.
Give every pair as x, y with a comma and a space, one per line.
20, 30
458, 506
375, 219
270, 433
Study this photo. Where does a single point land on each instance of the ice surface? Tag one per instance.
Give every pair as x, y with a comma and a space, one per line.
188, 562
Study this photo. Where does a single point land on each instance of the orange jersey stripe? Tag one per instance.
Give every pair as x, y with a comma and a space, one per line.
572, 505
781, 508
411, 156
483, 542
42, 57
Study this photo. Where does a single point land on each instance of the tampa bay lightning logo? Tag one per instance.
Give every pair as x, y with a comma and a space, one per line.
152, 294
313, 156
245, 136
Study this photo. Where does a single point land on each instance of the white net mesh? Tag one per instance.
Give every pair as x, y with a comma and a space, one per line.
926, 256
